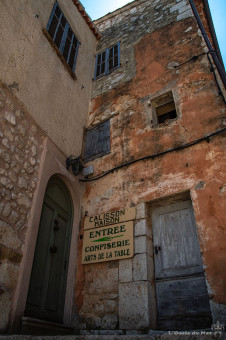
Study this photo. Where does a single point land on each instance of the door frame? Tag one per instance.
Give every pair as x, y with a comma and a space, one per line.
52, 163
168, 208
182, 275
151, 205
49, 201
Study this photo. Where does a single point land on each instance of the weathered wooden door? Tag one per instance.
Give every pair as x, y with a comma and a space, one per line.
182, 299
46, 293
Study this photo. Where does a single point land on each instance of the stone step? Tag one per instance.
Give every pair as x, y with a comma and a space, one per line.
153, 335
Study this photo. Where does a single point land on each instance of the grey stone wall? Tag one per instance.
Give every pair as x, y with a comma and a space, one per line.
128, 26
119, 294
20, 151
136, 303
203, 335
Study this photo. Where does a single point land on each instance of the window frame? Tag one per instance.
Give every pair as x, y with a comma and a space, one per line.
64, 37
107, 69
160, 101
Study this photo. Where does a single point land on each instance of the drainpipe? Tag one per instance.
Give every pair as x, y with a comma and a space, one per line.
208, 43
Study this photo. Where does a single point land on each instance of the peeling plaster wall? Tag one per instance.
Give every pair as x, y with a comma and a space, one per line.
155, 37
129, 27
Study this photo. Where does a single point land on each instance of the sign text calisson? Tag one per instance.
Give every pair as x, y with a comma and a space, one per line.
108, 236
109, 218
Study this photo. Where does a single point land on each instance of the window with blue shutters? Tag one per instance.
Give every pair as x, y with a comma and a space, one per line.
63, 36
97, 142
107, 61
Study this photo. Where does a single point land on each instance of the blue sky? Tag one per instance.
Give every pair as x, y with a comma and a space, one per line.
218, 11
98, 8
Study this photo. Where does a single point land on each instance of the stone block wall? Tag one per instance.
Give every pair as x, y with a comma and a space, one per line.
21, 143
136, 304
118, 294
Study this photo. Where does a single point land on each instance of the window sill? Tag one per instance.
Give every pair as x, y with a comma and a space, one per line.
106, 74
94, 157
47, 35
164, 124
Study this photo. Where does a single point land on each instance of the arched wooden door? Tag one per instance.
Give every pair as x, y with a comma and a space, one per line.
47, 287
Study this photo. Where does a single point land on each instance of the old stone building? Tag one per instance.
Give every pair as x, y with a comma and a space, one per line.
47, 54
130, 235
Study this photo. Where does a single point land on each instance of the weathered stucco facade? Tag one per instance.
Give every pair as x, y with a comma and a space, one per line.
33, 71
150, 165
155, 39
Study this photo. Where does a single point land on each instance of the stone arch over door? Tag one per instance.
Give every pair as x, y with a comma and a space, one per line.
52, 164
46, 294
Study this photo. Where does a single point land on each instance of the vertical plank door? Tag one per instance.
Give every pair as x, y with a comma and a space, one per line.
47, 287
182, 298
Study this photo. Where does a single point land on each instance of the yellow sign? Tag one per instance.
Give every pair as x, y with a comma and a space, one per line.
109, 243
110, 218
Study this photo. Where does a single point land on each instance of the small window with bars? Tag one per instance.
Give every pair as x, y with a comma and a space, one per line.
63, 36
107, 61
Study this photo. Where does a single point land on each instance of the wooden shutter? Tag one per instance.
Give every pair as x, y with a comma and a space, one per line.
114, 57
64, 37
181, 292
51, 16
101, 64
118, 53
59, 29
97, 141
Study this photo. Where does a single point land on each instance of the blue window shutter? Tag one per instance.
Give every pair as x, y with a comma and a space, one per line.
95, 72
118, 53
104, 137
59, 37
64, 37
58, 24
51, 16
102, 61
69, 52
76, 54
107, 61
91, 141
97, 141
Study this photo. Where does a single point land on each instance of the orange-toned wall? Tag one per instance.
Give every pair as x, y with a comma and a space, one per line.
198, 169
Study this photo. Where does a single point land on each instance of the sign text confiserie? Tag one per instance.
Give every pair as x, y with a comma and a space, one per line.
109, 243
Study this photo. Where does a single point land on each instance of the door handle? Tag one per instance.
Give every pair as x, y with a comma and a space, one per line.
157, 249
53, 249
